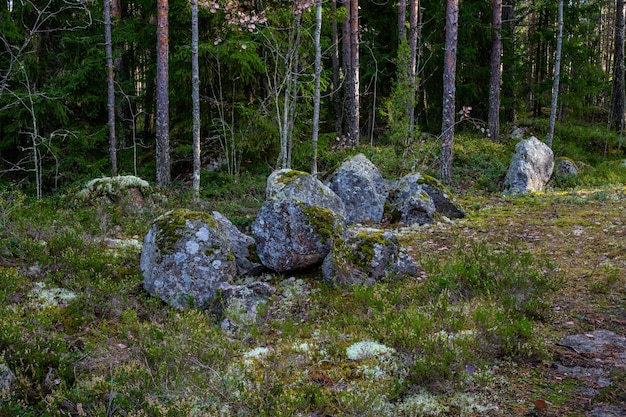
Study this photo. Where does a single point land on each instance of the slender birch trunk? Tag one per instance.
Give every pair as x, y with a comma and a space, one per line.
557, 76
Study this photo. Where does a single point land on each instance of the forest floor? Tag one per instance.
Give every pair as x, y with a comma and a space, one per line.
584, 233
111, 348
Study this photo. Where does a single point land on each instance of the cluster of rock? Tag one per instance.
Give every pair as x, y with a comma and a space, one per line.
195, 258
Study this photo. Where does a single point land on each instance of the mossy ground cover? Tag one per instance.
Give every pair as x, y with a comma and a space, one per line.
474, 334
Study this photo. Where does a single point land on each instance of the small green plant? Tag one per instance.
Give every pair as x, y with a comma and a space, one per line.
10, 201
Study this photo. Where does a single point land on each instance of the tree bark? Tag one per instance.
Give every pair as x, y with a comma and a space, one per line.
162, 99
338, 110
195, 98
496, 72
318, 75
449, 90
401, 20
557, 76
110, 87
354, 98
617, 95
413, 37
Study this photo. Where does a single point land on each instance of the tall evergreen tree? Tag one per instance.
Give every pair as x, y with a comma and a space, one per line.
496, 71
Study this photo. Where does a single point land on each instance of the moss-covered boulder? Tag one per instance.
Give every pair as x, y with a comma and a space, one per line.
361, 186
120, 189
417, 198
185, 259
565, 168
290, 183
292, 235
365, 258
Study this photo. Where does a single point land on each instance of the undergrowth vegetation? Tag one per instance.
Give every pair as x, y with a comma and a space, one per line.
84, 339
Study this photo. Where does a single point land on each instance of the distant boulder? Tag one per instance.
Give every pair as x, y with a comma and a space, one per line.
365, 258
415, 198
119, 189
186, 257
291, 235
530, 168
565, 168
360, 185
302, 186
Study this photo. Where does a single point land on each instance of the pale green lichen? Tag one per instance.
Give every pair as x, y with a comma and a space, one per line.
112, 185
367, 349
323, 221
44, 297
170, 226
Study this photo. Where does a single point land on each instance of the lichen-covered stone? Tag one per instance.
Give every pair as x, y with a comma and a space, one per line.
291, 235
242, 305
565, 168
185, 258
415, 198
360, 185
366, 258
290, 183
530, 168
117, 189
7, 379
244, 248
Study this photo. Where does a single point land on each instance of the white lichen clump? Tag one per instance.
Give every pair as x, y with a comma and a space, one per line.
50, 297
255, 354
368, 349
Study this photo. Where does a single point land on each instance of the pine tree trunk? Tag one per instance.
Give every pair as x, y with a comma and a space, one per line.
195, 98
413, 37
496, 72
110, 87
617, 95
557, 76
449, 90
163, 175
354, 99
338, 109
318, 74
401, 20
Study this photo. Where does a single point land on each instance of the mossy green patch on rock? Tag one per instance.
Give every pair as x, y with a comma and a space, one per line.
290, 176
323, 221
171, 224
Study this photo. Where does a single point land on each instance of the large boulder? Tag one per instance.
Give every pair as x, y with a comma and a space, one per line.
362, 188
290, 183
186, 257
244, 247
291, 235
531, 167
365, 258
415, 198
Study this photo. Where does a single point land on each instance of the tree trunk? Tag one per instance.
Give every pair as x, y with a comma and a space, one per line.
318, 75
496, 72
110, 87
353, 102
401, 20
413, 37
162, 99
449, 90
195, 98
557, 76
338, 108
508, 65
617, 95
